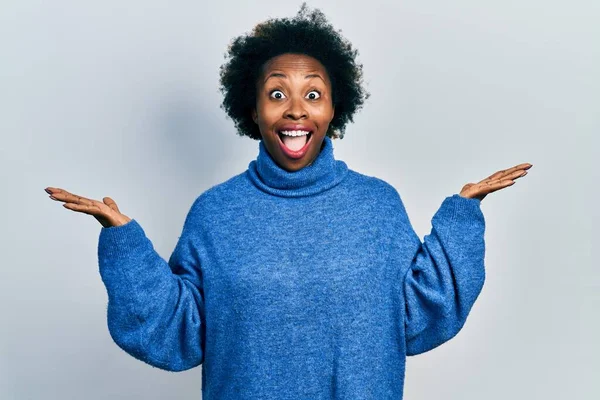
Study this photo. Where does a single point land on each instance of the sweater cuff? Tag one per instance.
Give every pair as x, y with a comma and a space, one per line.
466, 210
122, 241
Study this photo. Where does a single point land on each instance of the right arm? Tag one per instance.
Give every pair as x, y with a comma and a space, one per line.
155, 308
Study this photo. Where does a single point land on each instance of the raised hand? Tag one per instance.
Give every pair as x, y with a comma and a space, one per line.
496, 181
105, 211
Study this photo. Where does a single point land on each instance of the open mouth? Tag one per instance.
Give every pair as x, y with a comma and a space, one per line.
294, 140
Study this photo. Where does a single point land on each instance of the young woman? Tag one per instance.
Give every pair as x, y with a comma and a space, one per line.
299, 277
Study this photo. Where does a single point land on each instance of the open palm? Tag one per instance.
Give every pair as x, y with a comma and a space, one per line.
105, 211
496, 181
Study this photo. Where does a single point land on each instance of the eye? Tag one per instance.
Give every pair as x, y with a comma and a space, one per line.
277, 91
314, 91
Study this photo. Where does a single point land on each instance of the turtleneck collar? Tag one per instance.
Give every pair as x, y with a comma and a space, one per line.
322, 174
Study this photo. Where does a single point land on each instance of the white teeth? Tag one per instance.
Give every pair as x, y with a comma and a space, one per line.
295, 133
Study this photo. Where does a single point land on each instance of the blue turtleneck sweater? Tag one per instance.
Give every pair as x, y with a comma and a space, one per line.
295, 285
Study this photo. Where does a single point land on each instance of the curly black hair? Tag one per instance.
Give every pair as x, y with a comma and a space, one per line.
308, 33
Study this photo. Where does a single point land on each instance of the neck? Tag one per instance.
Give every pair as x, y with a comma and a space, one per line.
323, 173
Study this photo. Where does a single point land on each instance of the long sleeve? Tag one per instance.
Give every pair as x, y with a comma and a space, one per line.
155, 309
446, 274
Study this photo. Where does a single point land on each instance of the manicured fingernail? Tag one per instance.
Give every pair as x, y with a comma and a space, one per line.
52, 197
47, 191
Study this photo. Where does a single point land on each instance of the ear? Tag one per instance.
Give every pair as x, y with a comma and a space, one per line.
254, 116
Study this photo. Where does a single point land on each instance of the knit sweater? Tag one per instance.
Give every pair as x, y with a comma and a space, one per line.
295, 285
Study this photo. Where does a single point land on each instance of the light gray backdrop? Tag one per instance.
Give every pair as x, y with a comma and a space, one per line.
120, 99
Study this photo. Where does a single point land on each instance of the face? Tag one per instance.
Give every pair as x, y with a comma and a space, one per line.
293, 96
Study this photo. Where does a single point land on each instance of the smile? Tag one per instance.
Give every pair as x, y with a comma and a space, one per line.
294, 143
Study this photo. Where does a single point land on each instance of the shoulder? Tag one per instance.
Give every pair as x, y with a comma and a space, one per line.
220, 196
373, 187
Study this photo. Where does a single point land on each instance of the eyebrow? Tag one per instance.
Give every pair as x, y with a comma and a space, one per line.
280, 75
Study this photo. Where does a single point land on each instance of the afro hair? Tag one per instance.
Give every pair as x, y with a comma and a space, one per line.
308, 33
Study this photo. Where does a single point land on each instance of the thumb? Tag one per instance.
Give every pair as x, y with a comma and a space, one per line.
111, 203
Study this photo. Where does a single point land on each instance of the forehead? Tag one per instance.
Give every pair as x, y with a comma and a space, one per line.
292, 63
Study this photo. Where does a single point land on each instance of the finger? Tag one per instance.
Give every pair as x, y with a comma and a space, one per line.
505, 172
63, 195
514, 175
84, 208
492, 186
517, 174
111, 203
480, 191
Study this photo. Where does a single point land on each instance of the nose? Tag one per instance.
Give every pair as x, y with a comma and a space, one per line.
296, 110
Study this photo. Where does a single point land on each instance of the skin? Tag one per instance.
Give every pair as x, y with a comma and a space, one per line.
300, 93
293, 102
496, 181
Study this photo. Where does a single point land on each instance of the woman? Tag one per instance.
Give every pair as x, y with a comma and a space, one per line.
298, 278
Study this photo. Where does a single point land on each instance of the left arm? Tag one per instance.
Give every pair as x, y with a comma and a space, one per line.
446, 274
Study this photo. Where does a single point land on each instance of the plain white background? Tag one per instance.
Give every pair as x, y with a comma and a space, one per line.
120, 99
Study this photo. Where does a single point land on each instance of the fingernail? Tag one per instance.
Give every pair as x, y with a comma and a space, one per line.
48, 191
52, 197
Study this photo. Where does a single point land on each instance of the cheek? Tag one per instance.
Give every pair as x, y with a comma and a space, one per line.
326, 113
270, 114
